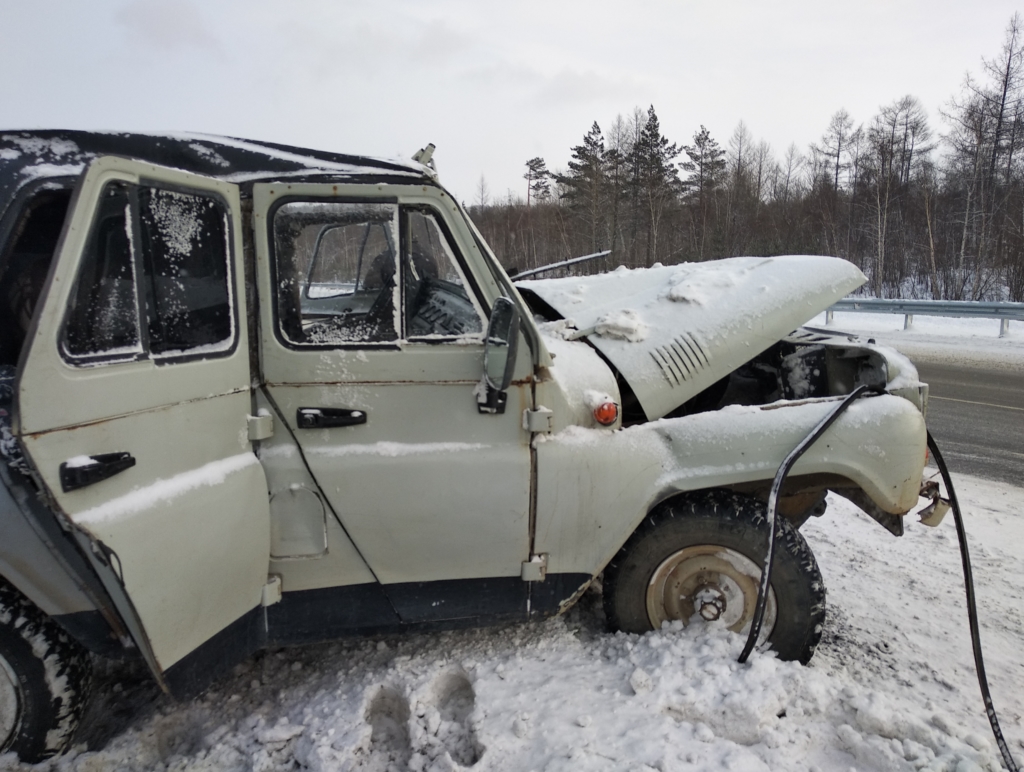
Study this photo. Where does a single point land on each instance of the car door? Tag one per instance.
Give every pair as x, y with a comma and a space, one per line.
133, 401
372, 351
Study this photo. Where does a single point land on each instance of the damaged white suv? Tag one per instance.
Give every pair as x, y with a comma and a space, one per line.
253, 395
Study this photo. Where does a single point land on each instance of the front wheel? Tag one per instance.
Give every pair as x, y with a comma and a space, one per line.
699, 557
44, 679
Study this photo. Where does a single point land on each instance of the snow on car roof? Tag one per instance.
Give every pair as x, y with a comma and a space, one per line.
32, 154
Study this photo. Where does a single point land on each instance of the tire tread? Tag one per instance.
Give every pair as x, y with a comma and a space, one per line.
734, 517
54, 674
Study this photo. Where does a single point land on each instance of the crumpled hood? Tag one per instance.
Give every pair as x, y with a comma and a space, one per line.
672, 331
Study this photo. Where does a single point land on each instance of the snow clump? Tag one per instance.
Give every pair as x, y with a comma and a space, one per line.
622, 325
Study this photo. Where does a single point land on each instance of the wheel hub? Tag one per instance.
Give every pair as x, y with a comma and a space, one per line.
708, 583
8, 703
709, 601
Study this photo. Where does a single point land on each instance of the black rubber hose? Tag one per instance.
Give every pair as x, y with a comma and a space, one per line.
961, 533
773, 503
972, 609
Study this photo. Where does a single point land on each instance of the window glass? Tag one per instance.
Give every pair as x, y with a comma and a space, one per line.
25, 264
103, 318
186, 277
335, 269
436, 300
154, 278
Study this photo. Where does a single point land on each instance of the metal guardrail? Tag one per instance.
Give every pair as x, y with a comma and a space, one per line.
1004, 312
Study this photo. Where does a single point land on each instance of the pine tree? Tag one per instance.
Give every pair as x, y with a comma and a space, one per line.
537, 180
656, 177
705, 167
585, 183
705, 171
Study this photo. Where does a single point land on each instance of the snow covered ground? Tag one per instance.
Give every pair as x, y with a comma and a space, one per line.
891, 687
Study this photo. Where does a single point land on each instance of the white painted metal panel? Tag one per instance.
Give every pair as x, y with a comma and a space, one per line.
672, 331
428, 488
189, 522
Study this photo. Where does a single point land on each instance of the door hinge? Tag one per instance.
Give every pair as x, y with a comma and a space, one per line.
260, 427
535, 569
539, 420
272, 590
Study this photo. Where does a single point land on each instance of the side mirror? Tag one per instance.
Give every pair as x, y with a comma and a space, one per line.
500, 346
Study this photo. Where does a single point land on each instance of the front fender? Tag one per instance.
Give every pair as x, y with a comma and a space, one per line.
878, 443
594, 487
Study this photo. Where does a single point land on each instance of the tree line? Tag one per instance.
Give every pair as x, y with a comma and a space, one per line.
924, 213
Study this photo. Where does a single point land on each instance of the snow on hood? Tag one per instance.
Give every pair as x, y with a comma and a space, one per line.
672, 331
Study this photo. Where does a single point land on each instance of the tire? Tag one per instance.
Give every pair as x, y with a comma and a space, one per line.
702, 553
44, 680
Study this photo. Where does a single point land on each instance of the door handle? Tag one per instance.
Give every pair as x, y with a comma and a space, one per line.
328, 417
83, 471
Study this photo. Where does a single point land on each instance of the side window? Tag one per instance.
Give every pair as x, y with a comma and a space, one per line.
185, 249
154, 278
103, 317
24, 264
343, 269
436, 300
335, 267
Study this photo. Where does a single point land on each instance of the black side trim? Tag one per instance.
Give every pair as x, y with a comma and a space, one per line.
501, 597
308, 616
192, 674
91, 630
311, 616
546, 596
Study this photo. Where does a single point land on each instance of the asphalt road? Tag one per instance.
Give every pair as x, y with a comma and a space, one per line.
977, 419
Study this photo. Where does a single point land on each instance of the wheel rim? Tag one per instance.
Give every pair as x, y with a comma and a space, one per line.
9, 703
712, 583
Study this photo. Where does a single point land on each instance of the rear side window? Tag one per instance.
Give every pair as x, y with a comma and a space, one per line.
104, 312
24, 264
185, 251
154, 279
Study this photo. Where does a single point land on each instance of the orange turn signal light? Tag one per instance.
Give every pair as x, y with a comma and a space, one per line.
606, 413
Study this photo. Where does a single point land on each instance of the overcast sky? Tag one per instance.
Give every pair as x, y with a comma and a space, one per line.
491, 84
